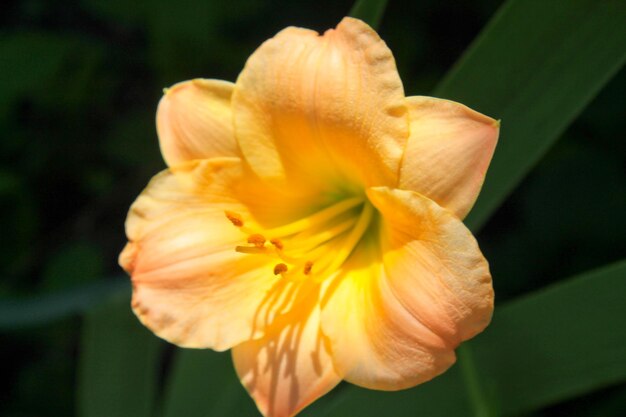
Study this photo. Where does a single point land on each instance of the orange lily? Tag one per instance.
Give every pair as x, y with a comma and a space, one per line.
310, 219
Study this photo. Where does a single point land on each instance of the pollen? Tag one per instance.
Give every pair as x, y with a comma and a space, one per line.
234, 218
308, 265
257, 240
276, 242
280, 268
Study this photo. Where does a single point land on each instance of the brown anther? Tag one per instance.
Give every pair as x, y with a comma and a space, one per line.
257, 240
308, 265
277, 243
234, 218
280, 268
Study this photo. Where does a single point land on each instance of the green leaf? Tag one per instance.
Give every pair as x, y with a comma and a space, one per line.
441, 397
118, 364
203, 383
561, 342
74, 264
27, 72
41, 309
482, 404
535, 66
369, 11
544, 348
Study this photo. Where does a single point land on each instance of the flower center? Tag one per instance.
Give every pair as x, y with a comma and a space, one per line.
315, 246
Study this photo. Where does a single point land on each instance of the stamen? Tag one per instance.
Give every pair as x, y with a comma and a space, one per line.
320, 217
324, 236
276, 242
280, 268
234, 218
254, 250
257, 240
325, 239
286, 258
346, 247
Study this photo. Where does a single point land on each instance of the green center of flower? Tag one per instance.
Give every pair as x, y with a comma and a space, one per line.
315, 246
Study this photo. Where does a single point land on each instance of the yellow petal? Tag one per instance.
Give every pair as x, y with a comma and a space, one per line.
322, 108
376, 342
194, 121
408, 296
448, 152
190, 286
290, 367
434, 264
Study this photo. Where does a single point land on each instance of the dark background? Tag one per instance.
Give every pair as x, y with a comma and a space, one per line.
79, 85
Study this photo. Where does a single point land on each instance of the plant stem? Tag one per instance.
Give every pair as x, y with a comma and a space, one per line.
481, 405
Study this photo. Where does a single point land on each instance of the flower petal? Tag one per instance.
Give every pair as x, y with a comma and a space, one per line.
434, 263
407, 296
376, 342
194, 121
448, 152
322, 107
190, 286
290, 367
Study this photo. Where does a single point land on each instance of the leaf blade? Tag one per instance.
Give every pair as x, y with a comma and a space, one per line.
536, 65
541, 339
203, 383
42, 309
118, 364
369, 11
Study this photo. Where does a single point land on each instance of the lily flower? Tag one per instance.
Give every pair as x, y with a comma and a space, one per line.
310, 218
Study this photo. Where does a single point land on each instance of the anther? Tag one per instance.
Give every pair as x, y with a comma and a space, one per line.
280, 268
308, 265
257, 240
254, 250
277, 243
234, 218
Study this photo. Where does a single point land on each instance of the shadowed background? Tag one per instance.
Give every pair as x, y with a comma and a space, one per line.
79, 85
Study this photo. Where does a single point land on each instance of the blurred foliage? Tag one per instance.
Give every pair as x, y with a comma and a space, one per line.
118, 367
79, 87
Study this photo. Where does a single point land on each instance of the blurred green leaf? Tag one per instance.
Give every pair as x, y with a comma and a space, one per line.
369, 11
72, 265
178, 31
442, 397
118, 364
483, 404
203, 383
561, 342
558, 343
181, 32
122, 146
28, 61
535, 66
119, 11
40, 309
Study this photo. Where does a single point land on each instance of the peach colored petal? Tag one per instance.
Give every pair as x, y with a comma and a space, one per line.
376, 342
434, 264
325, 109
194, 121
290, 367
448, 152
408, 296
190, 286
